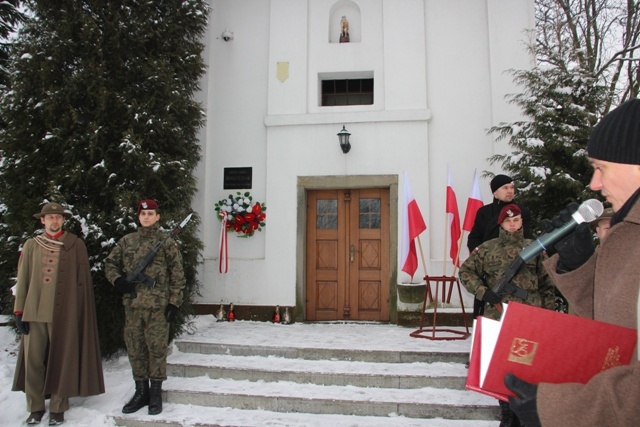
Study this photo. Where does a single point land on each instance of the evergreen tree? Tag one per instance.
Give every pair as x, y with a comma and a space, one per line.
586, 64
100, 114
10, 18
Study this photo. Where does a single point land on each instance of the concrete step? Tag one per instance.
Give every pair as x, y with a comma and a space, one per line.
352, 381
322, 372
387, 356
173, 416
286, 397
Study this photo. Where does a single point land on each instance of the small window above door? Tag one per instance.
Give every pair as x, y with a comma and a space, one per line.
347, 92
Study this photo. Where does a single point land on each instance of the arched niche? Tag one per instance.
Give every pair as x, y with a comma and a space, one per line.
351, 12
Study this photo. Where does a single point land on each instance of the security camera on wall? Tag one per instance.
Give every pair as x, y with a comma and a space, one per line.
227, 35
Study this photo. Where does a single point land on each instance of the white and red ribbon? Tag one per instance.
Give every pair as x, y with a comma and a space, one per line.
223, 264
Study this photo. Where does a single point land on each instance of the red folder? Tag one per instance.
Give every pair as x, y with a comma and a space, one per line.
540, 345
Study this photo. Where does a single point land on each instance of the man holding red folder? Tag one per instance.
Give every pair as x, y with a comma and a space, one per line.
601, 285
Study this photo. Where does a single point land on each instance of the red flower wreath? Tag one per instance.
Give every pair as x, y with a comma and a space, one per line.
243, 215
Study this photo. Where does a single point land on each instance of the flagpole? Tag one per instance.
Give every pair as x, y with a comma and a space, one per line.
455, 264
446, 238
422, 256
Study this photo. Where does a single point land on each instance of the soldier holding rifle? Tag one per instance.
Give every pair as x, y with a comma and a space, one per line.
488, 264
146, 267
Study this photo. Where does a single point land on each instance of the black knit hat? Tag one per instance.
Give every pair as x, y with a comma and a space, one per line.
616, 138
498, 181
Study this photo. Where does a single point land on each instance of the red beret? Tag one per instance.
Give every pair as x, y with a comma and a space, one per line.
147, 204
510, 211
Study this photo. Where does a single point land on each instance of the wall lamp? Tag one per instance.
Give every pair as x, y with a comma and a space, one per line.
343, 138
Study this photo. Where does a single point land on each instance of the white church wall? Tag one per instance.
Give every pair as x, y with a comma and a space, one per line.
439, 72
235, 137
467, 60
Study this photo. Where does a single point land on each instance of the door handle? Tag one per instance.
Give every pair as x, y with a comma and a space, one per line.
352, 253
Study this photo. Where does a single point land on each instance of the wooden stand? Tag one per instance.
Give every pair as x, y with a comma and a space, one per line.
445, 334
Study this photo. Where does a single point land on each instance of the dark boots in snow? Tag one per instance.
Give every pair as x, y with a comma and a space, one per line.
139, 399
155, 397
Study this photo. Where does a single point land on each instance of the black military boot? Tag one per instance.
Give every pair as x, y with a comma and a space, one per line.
139, 399
155, 397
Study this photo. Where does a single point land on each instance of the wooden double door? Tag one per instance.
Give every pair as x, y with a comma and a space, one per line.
347, 254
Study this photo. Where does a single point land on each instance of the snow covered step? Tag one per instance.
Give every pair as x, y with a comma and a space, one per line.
250, 374
388, 356
286, 396
173, 416
323, 372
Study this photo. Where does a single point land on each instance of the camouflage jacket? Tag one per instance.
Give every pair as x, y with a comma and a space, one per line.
166, 268
488, 262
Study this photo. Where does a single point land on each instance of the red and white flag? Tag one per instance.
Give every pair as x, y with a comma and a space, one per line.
412, 225
223, 255
473, 204
454, 219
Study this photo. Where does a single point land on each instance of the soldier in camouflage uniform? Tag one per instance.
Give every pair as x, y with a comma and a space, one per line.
148, 311
486, 266
488, 262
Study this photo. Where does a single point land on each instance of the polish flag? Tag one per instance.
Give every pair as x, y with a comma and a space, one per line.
454, 219
412, 225
473, 204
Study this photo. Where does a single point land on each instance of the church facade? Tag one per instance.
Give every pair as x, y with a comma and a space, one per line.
415, 83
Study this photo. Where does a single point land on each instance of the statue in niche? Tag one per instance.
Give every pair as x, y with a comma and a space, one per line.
344, 33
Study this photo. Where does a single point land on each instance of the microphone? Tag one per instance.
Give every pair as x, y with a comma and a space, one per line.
588, 211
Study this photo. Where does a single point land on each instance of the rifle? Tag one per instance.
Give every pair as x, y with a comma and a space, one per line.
505, 287
137, 275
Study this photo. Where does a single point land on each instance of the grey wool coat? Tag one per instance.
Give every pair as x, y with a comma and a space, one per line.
74, 364
605, 288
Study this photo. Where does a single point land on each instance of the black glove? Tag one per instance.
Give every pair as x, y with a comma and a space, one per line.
491, 297
564, 215
123, 285
575, 249
525, 405
23, 327
170, 312
546, 226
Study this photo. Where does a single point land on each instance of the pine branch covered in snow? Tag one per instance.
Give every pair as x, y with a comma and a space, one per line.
100, 113
586, 64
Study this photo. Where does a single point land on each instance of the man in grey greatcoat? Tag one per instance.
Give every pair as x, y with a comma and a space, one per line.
56, 315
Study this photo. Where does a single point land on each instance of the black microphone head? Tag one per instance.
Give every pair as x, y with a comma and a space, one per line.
589, 210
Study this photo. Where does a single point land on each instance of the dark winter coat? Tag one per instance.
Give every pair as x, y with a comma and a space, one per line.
485, 226
488, 262
605, 288
74, 365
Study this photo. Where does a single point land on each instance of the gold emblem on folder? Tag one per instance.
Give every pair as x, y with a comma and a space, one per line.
523, 351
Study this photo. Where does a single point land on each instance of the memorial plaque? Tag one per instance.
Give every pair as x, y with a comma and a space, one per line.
237, 178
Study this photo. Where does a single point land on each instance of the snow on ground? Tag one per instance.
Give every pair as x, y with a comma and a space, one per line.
98, 410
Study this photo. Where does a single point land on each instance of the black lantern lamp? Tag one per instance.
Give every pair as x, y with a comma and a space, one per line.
343, 137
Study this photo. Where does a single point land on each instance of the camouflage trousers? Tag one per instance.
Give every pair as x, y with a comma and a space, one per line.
146, 335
